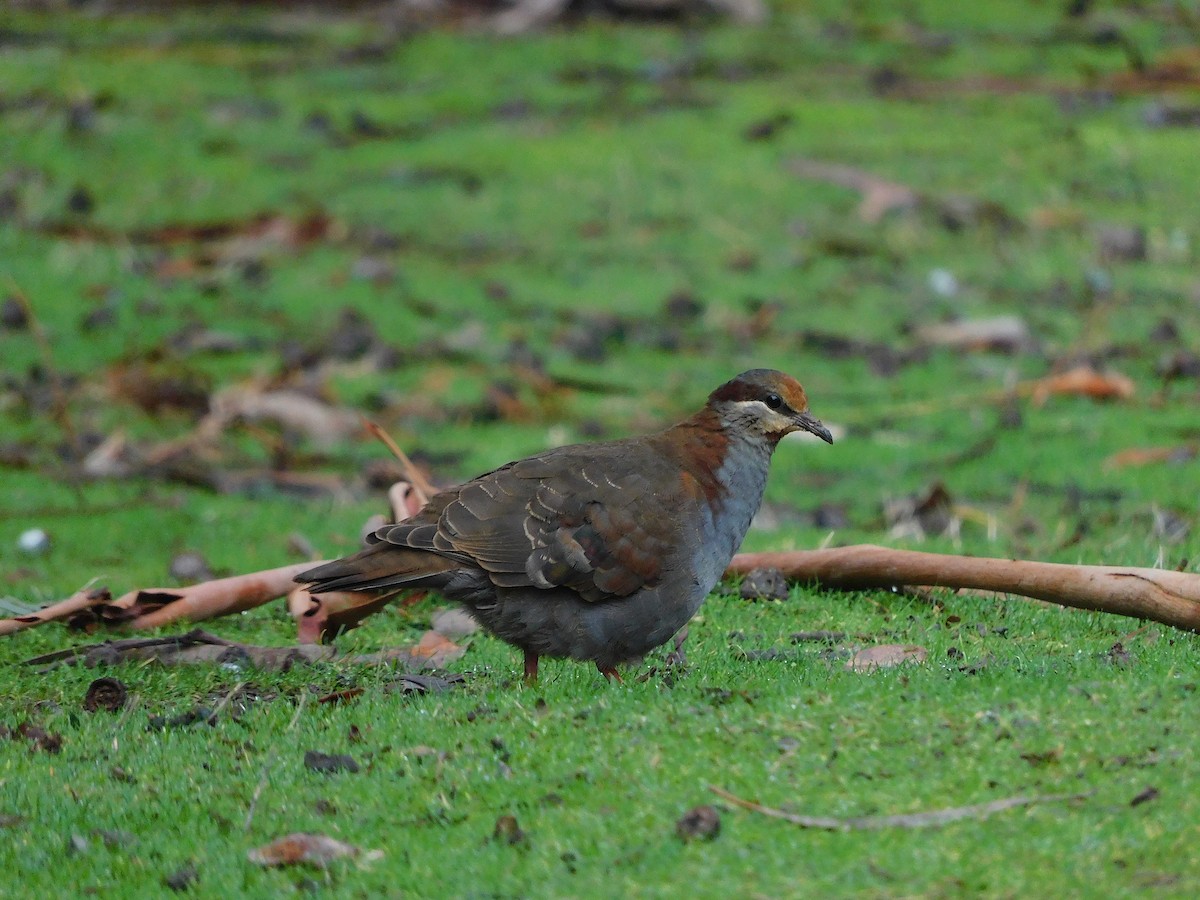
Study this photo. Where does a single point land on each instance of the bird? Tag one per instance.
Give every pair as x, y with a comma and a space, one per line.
597, 552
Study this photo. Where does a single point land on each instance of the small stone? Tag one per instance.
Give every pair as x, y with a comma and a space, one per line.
453, 623
13, 315
700, 823
33, 541
943, 283
190, 567
1122, 243
764, 584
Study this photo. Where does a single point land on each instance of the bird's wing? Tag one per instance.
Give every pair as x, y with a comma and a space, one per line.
541, 523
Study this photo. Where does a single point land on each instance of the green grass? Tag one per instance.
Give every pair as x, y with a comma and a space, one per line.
525, 193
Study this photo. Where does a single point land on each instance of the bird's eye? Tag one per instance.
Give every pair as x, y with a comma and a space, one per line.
774, 401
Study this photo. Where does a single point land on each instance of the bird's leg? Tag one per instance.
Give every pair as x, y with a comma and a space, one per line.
677, 656
610, 673
531, 667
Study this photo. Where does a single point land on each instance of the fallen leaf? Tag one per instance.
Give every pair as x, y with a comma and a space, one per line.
1145, 796
879, 196
1081, 381
44, 740
312, 849
340, 696
883, 656
1004, 334
411, 683
1145, 456
435, 650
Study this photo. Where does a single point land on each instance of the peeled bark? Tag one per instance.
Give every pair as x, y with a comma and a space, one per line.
1172, 598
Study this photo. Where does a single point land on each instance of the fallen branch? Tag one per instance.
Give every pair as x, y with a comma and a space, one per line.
1172, 598
931, 819
159, 606
198, 646
81, 600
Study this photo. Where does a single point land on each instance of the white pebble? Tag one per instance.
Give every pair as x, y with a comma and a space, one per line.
33, 541
943, 283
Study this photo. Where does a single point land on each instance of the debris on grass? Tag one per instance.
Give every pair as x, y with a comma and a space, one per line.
310, 849
329, 763
79, 602
885, 656
1081, 381
108, 694
39, 737
198, 646
1001, 334
932, 819
764, 584
183, 878
699, 823
507, 831
1145, 796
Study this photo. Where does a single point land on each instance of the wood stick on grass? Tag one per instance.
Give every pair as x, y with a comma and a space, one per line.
931, 819
82, 599
1172, 598
210, 599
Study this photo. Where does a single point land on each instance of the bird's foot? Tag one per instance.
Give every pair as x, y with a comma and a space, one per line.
610, 673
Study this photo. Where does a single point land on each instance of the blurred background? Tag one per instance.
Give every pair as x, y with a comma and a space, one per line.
229, 232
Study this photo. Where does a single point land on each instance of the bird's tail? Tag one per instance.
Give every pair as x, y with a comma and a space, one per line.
380, 567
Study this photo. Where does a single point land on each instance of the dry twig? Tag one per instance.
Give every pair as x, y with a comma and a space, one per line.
931, 819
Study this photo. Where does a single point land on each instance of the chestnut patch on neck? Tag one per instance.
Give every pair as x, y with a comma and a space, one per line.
701, 445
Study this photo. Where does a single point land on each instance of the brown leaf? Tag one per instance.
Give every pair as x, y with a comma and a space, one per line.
1081, 381
879, 196
1145, 796
436, 650
338, 697
311, 849
883, 656
42, 739
1145, 456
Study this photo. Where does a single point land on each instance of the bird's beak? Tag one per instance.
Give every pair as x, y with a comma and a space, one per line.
809, 422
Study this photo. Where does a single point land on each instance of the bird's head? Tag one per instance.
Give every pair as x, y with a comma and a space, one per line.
766, 402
